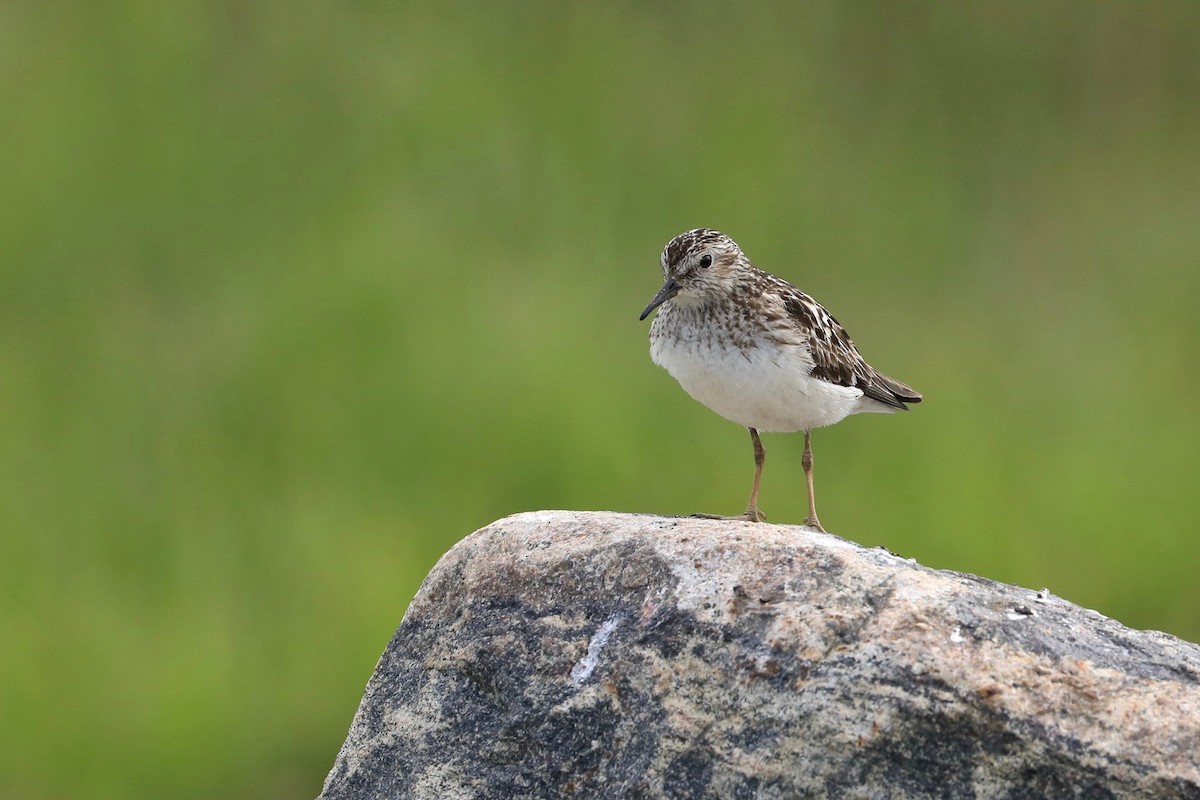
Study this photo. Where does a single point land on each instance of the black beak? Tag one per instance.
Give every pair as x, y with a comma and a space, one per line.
668, 290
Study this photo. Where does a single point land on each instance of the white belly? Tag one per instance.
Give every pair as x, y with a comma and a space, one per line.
767, 388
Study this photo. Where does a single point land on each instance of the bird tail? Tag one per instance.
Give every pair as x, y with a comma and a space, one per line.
891, 392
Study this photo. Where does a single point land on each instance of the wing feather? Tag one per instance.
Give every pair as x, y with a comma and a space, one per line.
835, 358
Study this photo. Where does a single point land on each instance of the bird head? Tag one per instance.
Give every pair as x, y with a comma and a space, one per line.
697, 265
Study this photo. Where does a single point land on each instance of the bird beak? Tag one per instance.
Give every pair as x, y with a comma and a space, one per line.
669, 289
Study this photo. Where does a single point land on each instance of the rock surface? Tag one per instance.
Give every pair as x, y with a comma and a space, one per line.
566, 654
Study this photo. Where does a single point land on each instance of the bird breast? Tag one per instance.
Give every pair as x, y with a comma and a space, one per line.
748, 377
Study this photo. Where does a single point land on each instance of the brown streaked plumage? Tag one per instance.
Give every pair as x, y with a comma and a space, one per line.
759, 351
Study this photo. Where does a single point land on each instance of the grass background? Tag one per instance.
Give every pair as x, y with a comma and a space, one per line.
293, 295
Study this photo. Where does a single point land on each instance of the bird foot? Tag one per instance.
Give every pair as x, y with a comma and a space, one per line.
814, 523
749, 515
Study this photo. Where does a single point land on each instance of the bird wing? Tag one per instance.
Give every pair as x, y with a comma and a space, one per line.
835, 358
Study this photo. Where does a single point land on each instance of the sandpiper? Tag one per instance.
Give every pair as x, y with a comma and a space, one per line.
758, 351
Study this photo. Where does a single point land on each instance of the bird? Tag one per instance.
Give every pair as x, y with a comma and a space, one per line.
759, 352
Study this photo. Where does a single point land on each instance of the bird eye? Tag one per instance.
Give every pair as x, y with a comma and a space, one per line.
706, 260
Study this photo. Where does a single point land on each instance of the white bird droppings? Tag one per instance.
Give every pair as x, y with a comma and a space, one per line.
583, 669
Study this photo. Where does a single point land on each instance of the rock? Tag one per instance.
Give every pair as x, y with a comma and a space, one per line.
564, 654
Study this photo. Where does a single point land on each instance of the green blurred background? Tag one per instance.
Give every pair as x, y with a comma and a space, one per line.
297, 294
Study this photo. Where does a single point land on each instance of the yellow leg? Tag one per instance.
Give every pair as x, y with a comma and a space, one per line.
807, 462
752, 512
760, 458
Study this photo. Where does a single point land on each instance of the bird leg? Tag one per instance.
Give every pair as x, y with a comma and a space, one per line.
807, 462
760, 457
752, 512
